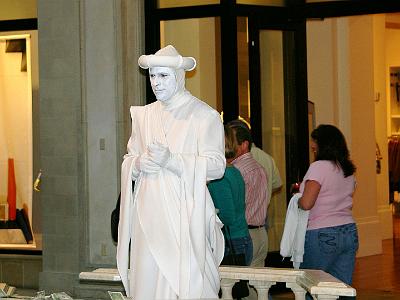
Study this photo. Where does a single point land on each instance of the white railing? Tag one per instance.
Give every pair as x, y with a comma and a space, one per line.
321, 285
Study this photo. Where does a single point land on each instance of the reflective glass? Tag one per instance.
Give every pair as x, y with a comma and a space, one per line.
272, 112
263, 2
273, 124
243, 69
199, 38
311, 1
182, 3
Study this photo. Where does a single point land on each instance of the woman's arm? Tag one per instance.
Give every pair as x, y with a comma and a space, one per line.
221, 193
310, 194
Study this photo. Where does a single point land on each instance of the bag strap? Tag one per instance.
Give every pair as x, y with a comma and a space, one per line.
228, 235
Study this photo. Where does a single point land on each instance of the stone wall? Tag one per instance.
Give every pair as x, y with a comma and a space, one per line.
86, 88
20, 270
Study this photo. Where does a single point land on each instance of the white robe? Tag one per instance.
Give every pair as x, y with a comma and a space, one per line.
176, 239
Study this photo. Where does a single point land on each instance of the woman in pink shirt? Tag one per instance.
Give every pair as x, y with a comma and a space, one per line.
331, 240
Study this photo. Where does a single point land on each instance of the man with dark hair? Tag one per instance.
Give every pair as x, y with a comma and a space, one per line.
267, 161
264, 159
256, 186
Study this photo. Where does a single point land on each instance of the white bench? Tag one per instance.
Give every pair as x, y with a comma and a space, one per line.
321, 285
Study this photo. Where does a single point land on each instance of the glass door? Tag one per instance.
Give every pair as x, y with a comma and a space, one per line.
264, 108
273, 124
274, 108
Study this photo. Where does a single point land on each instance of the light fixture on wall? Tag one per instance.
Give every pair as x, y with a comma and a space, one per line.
36, 184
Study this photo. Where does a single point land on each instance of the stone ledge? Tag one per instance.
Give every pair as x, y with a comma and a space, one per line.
101, 274
316, 282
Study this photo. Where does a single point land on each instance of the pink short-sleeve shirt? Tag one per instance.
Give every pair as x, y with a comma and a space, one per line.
334, 202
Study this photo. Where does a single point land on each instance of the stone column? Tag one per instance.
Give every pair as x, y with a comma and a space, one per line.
61, 140
83, 55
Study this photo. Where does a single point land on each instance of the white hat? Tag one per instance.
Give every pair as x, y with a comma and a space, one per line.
167, 57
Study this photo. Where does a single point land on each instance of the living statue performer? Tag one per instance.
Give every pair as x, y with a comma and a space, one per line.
169, 223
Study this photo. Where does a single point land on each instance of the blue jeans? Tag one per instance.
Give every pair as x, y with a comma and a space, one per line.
241, 245
333, 250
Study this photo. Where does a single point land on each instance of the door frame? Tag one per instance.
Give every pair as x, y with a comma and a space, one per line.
296, 96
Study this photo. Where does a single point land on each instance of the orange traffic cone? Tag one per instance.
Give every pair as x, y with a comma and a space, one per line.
12, 191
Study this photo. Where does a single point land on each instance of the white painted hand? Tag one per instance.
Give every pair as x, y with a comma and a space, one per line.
145, 164
159, 154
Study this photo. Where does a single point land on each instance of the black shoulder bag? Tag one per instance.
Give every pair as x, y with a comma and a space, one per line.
115, 220
240, 289
115, 217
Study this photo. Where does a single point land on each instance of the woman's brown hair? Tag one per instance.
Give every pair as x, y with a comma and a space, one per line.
230, 142
332, 146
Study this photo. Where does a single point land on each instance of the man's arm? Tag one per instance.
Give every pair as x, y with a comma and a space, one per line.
139, 162
132, 153
211, 145
268, 162
276, 178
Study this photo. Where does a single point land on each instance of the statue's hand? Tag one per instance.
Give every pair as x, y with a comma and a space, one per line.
145, 164
159, 154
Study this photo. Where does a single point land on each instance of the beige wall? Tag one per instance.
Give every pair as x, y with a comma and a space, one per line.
344, 74
321, 69
363, 132
17, 9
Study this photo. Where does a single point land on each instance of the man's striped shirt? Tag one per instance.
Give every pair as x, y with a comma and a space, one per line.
255, 180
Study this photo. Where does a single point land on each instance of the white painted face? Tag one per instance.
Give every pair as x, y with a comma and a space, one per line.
163, 82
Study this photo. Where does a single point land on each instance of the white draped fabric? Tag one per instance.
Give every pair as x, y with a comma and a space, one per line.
294, 232
169, 223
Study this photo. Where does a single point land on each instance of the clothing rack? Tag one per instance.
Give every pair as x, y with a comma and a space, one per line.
394, 164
